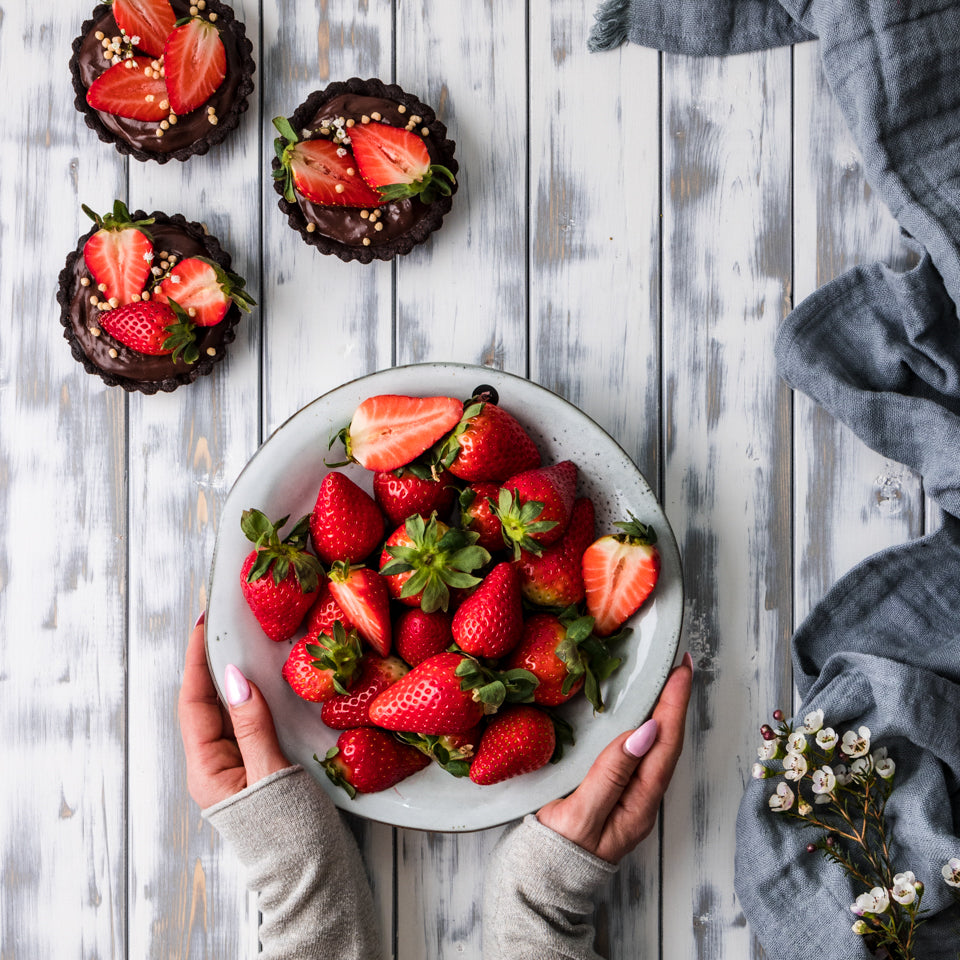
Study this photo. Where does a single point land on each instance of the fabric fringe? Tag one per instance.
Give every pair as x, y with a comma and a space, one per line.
610, 30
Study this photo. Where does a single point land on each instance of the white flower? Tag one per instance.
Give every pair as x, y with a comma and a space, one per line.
804, 808
886, 768
148, 256
860, 928
812, 722
759, 772
795, 766
856, 744
824, 780
861, 766
342, 151
769, 749
951, 871
876, 901
822, 798
827, 738
782, 800
174, 277
903, 889
842, 773
797, 742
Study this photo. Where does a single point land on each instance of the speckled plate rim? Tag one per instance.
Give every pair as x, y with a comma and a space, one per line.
433, 800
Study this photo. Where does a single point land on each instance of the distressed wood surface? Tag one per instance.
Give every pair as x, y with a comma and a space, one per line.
629, 231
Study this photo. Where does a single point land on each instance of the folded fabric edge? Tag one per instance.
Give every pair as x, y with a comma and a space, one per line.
610, 29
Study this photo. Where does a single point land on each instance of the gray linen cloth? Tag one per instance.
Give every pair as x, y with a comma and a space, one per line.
881, 351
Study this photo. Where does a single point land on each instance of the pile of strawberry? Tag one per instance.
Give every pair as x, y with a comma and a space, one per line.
152, 304
361, 165
449, 613
161, 68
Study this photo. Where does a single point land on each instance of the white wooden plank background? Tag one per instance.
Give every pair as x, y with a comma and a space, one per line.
629, 231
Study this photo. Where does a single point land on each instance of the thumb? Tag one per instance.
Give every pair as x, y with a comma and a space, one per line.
252, 726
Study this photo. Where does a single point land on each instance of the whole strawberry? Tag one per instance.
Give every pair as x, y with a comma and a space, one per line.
619, 573
534, 507
478, 515
489, 622
368, 760
352, 708
403, 492
488, 445
362, 594
555, 577
324, 667
520, 739
422, 561
156, 329
278, 579
346, 524
565, 657
418, 635
429, 699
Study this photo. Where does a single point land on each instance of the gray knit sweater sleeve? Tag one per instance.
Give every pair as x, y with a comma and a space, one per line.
538, 895
314, 896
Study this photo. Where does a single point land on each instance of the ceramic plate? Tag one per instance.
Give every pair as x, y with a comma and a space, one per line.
283, 477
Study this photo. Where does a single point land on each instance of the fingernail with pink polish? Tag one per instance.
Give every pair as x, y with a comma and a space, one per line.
642, 739
235, 686
200, 619
688, 661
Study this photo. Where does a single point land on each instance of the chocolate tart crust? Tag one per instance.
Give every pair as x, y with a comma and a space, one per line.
194, 134
159, 373
302, 212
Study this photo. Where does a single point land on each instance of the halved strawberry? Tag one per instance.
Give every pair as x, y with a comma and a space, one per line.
194, 63
147, 23
362, 593
152, 328
125, 92
619, 573
120, 253
319, 170
204, 289
389, 431
397, 163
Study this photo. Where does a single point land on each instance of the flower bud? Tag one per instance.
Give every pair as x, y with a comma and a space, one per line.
778, 716
766, 731
811, 847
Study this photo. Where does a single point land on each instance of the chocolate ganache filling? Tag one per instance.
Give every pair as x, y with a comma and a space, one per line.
171, 235
89, 63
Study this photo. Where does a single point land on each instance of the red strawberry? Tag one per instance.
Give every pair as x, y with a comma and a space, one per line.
555, 578
324, 612
402, 493
520, 739
279, 579
418, 635
194, 64
429, 699
390, 431
397, 163
488, 445
352, 709
125, 91
564, 656
320, 669
119, 254
147, 23
362, 593
478, 516
619, 573
319, 170
422, 561
204, 289
489, 622
452, 751
535, 506
345, 524
367, 760
152, 328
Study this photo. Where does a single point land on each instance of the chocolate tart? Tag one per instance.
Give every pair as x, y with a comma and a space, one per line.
193, 133
341, 231
117, 365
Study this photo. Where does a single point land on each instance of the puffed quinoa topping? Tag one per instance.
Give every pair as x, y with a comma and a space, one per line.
311, 227
113, 353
